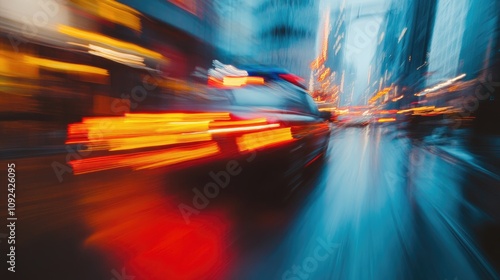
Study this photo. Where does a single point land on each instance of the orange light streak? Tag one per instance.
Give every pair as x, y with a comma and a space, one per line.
244, 128
384, 120
64, 66
261, 139
155, 141
99, 38
241, 81
144, 160
237, 123
179, 117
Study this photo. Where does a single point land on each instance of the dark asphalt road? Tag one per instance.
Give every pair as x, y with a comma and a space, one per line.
383, 206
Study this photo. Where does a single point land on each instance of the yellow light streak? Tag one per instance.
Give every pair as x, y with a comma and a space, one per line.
96, 37
59, 65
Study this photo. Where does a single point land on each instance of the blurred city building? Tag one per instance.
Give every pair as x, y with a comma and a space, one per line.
452, 54
400, 63
441, 54
236, 31
480, 38
328, 77
444, 53
480, 62
186, 30
287, 33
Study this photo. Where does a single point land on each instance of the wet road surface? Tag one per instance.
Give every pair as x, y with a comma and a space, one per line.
383, 206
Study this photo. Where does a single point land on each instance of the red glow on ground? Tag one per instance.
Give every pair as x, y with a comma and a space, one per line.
145, 233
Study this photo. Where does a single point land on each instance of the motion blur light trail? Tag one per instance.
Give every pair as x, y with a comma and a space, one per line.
382, 120
52, 64
256, 140
155, 140
114, 12
241, 81
237, 123
145, 160
103, 132
102, 39
193, 131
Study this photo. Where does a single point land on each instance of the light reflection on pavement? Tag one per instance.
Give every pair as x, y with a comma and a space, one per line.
383, 207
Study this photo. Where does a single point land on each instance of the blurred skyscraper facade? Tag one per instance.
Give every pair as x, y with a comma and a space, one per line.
286, 31
446, 44
401, 58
